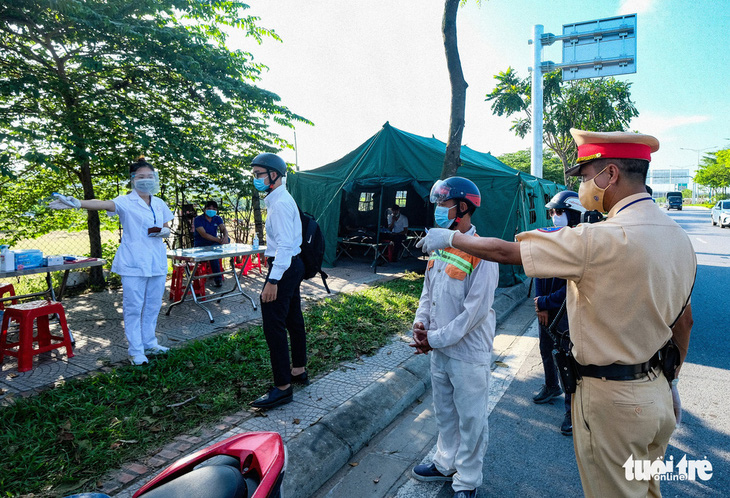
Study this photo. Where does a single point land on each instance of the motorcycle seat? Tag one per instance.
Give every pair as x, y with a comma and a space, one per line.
204, 482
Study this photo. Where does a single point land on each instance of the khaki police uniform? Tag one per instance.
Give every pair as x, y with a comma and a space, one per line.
629, 278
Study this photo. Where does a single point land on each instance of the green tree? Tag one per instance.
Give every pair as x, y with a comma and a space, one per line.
520, 160
714, 171
590, 104
87, 86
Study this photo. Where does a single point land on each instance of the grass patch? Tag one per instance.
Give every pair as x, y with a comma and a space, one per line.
63, 440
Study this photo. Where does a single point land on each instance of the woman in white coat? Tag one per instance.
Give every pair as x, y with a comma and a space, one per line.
141, 259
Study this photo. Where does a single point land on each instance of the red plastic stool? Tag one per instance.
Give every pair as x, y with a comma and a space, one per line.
7, 289
199, 283
246, 262
25, 314
177, 284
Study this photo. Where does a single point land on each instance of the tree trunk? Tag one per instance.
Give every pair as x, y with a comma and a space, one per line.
94, 226
257, 220
452, 160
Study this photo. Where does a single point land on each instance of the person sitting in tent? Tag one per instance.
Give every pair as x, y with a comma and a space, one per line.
398, 228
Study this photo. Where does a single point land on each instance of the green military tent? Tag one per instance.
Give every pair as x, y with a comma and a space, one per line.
357, 189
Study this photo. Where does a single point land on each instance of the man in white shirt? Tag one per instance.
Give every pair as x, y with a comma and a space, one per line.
281, 307
398, 226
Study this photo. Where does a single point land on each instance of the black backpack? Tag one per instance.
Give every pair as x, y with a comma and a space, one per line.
312, 248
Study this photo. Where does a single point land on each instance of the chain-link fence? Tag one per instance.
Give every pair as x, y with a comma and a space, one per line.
237, 216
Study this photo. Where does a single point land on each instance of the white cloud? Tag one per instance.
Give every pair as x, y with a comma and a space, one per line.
636, 6
656, 124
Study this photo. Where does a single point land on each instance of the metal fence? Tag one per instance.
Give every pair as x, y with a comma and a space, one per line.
238, 220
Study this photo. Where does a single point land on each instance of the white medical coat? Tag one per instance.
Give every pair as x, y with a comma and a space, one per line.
140, 255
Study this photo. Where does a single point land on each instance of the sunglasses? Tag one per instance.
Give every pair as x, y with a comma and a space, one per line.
557, 212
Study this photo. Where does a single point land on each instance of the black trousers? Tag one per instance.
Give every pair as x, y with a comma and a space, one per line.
548, 364
282, 315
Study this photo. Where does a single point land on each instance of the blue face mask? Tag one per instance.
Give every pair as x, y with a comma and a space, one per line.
210, 213
260, 184
441, 216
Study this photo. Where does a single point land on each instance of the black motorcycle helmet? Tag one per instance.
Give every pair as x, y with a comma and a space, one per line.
567, 201
270, 162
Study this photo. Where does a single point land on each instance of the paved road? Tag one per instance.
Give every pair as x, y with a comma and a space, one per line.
527, 455
705, 378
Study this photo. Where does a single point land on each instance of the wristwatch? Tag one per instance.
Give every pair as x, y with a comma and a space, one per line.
273, 281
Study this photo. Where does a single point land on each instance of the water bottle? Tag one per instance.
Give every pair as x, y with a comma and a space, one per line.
255, 243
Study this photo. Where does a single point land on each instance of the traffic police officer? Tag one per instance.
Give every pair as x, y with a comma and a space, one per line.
281, 307
629, 282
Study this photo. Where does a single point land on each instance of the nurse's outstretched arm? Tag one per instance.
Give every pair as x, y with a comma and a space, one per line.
97, 205
68, 202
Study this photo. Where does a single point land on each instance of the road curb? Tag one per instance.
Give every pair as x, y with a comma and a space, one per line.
318, 452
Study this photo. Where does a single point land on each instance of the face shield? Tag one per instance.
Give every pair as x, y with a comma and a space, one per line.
440, 192
145, 181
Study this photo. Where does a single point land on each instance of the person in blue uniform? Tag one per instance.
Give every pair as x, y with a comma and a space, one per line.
207, 227
141, 259
565, 211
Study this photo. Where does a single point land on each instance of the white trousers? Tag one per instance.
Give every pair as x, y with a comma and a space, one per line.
460, 395
141, 301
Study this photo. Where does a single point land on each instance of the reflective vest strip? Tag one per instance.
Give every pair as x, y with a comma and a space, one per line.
455, 260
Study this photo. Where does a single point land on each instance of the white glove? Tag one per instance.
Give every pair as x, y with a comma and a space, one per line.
64, 202
163, 233
677, 403
436, 239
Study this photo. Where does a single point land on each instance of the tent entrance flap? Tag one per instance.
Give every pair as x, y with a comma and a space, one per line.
360, 205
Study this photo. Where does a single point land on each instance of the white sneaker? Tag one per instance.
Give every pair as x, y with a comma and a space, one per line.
156, 350
138, 360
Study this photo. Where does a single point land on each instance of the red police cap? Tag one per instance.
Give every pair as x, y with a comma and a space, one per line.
611, 145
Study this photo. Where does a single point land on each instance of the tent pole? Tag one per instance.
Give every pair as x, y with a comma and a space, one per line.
377, 233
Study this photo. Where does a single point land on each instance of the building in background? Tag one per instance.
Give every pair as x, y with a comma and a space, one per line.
674, 179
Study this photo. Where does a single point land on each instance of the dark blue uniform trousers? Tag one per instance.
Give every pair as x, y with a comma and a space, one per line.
548, 364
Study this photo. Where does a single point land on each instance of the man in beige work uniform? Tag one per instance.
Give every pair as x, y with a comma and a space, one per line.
629, 282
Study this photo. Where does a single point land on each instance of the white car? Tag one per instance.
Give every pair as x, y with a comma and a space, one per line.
720, 214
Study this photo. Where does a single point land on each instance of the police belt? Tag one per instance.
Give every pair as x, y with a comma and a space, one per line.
619, 372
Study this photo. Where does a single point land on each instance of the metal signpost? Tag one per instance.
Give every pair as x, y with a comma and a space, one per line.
591, 49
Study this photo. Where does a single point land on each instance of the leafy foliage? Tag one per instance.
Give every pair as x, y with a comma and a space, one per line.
602, 104
66, 438
86, 86
714, 171
521, 160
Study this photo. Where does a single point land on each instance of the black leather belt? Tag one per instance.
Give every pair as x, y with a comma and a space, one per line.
619, 372
271, 259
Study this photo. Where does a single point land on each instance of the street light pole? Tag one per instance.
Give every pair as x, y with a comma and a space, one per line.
694, 185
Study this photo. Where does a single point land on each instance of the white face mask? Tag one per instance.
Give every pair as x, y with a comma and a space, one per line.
560, 220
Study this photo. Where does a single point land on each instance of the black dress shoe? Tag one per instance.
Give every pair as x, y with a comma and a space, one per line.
566, 428
302, 379
275, 397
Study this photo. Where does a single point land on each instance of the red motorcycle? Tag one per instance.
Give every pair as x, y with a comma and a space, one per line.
248, 465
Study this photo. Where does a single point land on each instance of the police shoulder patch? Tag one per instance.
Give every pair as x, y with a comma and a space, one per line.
549, 229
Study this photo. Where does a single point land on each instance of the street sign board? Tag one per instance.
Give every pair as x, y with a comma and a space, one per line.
604, 47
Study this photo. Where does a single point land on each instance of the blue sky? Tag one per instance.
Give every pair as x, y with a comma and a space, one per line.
351, 66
